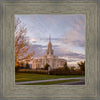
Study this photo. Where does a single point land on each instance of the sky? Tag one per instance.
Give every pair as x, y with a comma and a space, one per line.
67, 35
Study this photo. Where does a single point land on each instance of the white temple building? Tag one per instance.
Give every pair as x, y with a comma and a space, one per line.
53, 61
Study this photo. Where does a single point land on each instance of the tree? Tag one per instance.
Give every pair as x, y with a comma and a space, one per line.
66, 67
21, 65
46, 66
22, 45
81, 64
27, 66
72, 68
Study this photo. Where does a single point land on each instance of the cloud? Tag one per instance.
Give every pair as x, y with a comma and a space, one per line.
74, 38
39, 49
79, 43
67, 35
52, 39
75, 33
75, 55
71, 56
31, 40
77, 23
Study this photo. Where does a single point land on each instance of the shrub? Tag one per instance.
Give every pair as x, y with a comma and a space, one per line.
27, 66
17, 68
62, 71
46, 66
33, 71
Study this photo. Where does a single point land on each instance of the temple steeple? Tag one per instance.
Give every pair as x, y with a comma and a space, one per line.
49, 50
49, 37
49, 44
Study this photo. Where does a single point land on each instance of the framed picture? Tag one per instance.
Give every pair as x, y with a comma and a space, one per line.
50, 50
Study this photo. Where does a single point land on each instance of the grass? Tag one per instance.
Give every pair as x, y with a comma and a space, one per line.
22, 77
54, 82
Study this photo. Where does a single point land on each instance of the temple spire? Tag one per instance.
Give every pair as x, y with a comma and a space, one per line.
49, 50
49, 37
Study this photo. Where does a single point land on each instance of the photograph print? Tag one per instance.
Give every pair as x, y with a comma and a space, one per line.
50, 49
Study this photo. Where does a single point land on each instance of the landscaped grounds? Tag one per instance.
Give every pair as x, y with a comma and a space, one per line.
24, 77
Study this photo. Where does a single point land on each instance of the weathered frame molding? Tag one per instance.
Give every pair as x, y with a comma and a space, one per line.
8, 87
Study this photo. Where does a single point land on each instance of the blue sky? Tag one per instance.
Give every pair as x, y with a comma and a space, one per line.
67, 35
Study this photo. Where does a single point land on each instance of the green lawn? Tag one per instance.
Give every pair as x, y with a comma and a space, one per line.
21, 77
54, 82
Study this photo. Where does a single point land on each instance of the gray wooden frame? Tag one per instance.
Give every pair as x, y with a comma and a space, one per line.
91, 89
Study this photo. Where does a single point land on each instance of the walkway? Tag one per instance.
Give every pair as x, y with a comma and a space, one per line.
39, 81
72, 83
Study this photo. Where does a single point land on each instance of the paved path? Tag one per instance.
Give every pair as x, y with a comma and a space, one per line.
39, 81
72, 83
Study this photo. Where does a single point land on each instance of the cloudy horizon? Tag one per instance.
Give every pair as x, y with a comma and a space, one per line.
67, 35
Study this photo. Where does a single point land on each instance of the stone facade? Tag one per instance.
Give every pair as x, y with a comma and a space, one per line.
53, 61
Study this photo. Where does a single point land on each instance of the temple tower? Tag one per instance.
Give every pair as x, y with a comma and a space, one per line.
49, 51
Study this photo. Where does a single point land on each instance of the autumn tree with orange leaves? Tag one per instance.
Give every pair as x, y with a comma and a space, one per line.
22, 46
